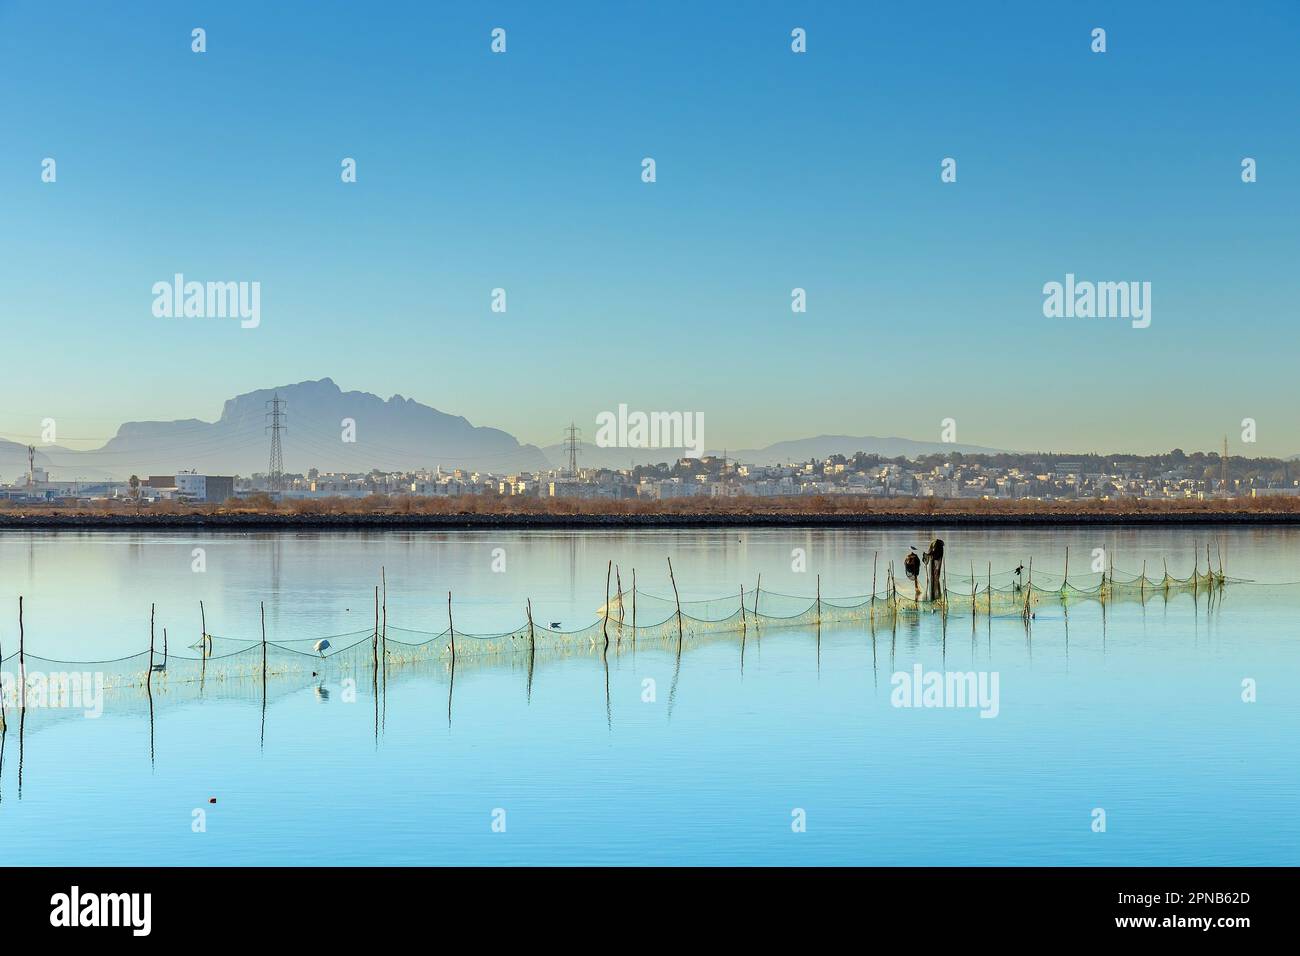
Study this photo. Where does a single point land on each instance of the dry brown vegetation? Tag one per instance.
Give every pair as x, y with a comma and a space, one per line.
494, 505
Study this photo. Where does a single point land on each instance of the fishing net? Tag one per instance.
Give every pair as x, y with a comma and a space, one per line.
631, 619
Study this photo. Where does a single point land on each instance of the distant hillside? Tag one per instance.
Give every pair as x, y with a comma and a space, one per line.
592, 456
800, 449
397, 433
823, 446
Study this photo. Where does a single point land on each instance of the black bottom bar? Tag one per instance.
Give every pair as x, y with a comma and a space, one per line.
242, 905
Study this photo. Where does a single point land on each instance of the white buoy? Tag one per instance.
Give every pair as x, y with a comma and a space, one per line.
320, 647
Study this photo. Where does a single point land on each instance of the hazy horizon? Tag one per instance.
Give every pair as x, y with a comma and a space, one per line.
86, 444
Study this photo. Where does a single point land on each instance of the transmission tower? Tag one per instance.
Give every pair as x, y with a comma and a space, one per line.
31, 466
275, 469
571, 443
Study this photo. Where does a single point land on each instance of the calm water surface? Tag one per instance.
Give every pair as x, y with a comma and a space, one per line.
1140, 714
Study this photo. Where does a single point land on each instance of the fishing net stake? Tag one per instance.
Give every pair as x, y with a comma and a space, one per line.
451, 630
618, 583
262, 606
203, 645
604, 628
678, 599
22, 657
875, 558
148, 676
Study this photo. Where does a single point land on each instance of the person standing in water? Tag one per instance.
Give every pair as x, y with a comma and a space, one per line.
934, 559
912, 568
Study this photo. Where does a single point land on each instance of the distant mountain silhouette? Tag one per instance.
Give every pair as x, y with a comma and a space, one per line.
392, 434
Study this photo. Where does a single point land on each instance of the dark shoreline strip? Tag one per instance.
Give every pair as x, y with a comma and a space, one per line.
364, 522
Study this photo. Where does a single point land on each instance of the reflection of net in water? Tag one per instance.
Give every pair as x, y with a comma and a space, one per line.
635, 618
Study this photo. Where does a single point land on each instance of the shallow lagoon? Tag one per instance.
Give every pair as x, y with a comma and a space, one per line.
1140, 714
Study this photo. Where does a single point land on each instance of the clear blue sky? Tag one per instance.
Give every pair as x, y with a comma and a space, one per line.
775, 170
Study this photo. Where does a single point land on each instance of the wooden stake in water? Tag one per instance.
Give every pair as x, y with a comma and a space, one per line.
2, 697
451, 630
757, 588
203, 643
148, 677
1066, 583
743, 630
874, 560
678, 599
451, 683
532, 650
618, 583
634, 605
262, 605
819, 599
22, 661
605, 625
22, 653
1029, 589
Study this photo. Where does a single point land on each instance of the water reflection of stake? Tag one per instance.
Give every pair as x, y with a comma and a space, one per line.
261, 740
